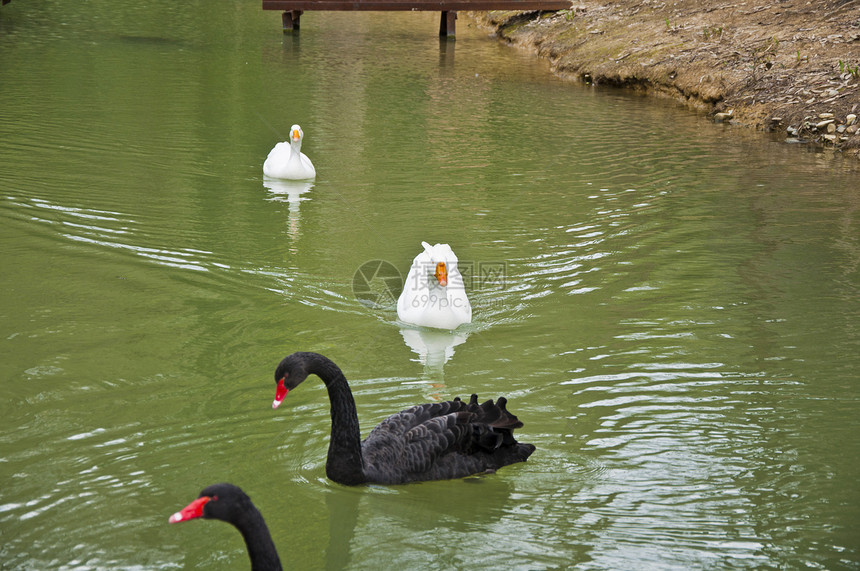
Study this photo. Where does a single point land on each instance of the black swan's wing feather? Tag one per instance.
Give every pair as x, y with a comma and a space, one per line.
410, 434
443, 440
402, 422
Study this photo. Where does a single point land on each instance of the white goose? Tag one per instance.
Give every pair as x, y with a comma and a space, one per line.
434, 294
287, 161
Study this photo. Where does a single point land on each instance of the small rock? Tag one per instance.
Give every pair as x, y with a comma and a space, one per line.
722, 117
851, 130
832, 93
823, 124
849, 120
831, 128
841, 129
776, 119
830, 138
826, 115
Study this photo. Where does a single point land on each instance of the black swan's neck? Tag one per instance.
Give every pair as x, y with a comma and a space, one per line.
258, 540
344, 463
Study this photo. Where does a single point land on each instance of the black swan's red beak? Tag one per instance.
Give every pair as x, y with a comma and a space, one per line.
280, 394
191, 511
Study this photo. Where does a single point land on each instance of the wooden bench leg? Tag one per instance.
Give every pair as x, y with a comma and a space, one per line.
291, 21
447, 27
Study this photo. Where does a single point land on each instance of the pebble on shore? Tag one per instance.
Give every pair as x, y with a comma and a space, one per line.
825, 126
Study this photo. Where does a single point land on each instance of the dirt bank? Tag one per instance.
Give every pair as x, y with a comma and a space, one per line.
785, 65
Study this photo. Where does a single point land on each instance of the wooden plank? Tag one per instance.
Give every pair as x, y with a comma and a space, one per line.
426, 5
447, 24
291, 20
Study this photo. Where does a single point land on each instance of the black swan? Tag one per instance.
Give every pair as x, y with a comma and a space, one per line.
434, 441
229, 503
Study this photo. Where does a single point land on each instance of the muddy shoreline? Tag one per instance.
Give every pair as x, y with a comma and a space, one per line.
790, 67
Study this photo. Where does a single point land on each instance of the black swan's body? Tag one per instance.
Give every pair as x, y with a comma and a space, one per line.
435, 441
229, 503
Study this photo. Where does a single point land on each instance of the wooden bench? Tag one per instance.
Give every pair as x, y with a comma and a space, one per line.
293, 9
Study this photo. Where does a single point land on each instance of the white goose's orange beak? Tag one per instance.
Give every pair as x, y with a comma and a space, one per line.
295, 134
442, 273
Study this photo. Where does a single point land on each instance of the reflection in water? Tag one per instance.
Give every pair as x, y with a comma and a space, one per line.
342, 504
446, 56
289, 191
434, 348
443, 524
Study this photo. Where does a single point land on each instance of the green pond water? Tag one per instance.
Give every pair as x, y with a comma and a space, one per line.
670, 306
